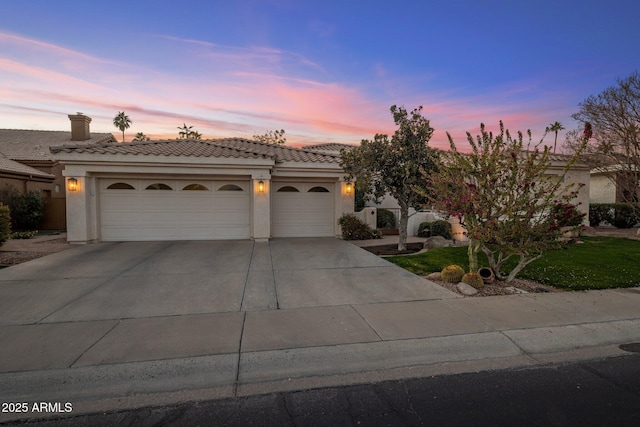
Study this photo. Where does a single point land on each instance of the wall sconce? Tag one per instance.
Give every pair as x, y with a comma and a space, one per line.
261, 186
349, 188
72, 184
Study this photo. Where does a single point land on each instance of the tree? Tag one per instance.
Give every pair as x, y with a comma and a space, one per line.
392, 166
555, 127
122, 122
614, 116
271, 137
140, 136
186, 132
505, 198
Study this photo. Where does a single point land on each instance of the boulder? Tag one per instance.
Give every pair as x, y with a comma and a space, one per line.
434, 276
465, 289
436, 242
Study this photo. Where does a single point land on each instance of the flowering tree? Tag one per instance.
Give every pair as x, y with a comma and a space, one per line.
505, 198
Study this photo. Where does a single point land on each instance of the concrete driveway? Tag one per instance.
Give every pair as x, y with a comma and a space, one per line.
149, 279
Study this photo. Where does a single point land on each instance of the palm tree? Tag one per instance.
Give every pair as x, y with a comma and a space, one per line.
185, 131
555, 127
140, 136
122, 122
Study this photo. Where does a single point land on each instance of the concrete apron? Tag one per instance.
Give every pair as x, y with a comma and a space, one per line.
113, 326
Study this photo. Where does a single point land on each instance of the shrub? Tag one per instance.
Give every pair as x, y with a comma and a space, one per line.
26, 209
435, 228
354, 229
386, 219
473, 279
621, 215
625, 216
566, 215
23, 234
599, 212
5, 223
452, 273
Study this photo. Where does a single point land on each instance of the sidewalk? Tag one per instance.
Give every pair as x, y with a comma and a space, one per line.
364, 343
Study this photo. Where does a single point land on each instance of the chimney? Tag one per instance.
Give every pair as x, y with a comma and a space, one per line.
80, 127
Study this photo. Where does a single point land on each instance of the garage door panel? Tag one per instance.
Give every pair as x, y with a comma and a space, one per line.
302, 213
175, 214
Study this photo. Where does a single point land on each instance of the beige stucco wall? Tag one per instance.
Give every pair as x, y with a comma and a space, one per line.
602, 189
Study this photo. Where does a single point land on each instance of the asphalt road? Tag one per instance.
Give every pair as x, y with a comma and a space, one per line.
591, 393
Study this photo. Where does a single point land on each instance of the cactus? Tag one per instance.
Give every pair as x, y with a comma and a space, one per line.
473, 279
452, 273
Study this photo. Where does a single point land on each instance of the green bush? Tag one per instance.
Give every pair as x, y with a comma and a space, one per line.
625, 216
5, 223
386, 219
435, 228
621, 215
354, 229
24, 234
599, 212
26, 209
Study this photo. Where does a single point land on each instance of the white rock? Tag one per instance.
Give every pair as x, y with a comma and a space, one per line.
514, 290
465, 289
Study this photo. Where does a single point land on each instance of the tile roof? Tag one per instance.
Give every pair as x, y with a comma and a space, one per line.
19, 144
329, 146
13, 167
227, 147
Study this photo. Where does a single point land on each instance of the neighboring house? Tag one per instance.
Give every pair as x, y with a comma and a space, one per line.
201, 189
27, 164
614, 183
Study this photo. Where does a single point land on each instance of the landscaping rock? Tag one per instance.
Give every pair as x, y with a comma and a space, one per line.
465, 289
437, 242
514, 290
434, 276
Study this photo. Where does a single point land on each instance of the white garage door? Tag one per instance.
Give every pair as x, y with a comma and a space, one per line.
302, 209
173, 210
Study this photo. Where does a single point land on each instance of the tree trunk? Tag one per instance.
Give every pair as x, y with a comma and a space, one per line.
402, 228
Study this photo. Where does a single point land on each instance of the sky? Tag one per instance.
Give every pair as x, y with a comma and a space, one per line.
325, 71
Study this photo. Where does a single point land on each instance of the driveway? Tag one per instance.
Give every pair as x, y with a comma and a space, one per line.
148, 279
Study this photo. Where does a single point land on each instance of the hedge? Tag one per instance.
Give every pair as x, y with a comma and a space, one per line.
620, 215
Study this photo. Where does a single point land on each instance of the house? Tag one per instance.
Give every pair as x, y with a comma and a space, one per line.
27, 164
614, 179
190, 189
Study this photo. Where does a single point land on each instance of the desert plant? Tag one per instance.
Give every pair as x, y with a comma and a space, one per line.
386, 219
473, 279
354, 229
452, 273
5, 223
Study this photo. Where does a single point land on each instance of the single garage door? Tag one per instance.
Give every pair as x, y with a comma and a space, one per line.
132, 210
302, 209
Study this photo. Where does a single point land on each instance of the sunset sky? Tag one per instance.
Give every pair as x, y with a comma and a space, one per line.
325, 71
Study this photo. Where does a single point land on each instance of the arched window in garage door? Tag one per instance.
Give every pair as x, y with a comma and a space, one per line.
288, 189
120, 186
195, 187
158, 186
318, 189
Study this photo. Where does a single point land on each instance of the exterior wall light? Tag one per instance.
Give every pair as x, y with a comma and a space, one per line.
261, 186
349, 188
72, 184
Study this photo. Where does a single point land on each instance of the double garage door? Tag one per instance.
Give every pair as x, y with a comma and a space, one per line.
139, 209
174, 210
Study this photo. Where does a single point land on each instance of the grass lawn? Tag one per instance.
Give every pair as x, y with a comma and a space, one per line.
598, 263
